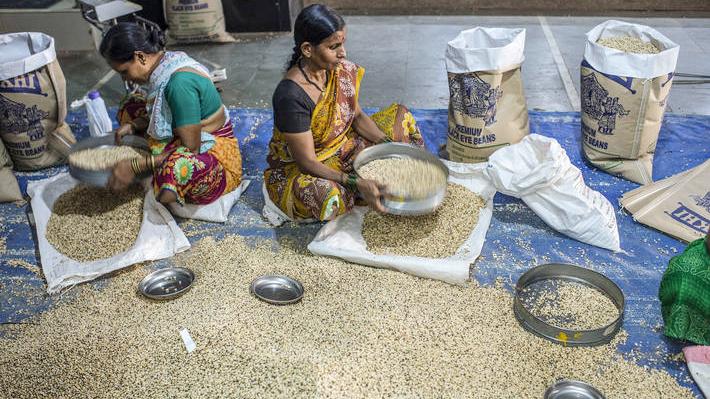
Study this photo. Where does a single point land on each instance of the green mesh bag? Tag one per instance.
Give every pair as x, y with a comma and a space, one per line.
685, 295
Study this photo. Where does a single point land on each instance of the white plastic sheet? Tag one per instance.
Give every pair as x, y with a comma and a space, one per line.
159, 237
273, 214
538, 171
217, 211
342, 237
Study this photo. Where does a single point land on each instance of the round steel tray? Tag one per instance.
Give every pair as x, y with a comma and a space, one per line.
167, 283
399, 205
571, 389
99, 178
576, 274
277, 289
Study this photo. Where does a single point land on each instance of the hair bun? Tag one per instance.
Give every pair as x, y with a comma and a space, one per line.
157, 38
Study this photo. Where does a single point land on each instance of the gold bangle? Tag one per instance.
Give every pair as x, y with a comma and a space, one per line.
134, 166
152, 162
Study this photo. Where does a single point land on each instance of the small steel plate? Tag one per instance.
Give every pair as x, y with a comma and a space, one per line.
576, 274
167, 283
277, 289
99, 178
571, 389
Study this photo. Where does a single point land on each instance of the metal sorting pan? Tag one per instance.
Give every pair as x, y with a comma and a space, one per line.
99, 178
277, 289
167, 283
402, 205
576, 274
571, 389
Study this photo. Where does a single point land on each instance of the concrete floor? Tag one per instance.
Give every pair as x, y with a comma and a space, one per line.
404, 59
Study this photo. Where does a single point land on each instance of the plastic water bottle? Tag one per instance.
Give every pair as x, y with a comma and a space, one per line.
99, 121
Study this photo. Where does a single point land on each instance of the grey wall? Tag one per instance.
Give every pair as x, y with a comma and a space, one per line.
689, 8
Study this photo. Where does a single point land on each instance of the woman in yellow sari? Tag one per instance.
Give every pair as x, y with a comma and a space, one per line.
319, 127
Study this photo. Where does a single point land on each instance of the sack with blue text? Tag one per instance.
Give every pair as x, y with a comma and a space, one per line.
681, 210
9, 189
33, 101
626, 76
487, 107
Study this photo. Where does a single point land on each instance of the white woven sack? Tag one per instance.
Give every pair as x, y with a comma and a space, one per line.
217, 211
342, 237
159, 237
538, 171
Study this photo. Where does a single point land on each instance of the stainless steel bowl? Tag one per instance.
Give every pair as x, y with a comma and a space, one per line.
398, 205
99, 178
277, 289
571, 389
167, 283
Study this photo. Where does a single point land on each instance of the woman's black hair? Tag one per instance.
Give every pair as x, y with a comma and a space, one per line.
314, 24
123, 39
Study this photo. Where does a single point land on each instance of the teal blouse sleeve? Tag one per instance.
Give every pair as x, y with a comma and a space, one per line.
191, 98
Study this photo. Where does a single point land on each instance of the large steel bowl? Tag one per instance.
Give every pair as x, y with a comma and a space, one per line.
403, 205
99, 178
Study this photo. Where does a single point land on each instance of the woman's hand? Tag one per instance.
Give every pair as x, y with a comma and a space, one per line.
372, 192
121, 176
123, 131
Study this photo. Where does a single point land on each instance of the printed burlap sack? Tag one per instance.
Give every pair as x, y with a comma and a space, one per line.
623, 98
682, 211
196, 21
33, 101
638, 198
487, 107
9, 189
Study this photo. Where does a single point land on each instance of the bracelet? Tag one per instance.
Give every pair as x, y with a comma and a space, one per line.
352, 181
135, 166
152, 162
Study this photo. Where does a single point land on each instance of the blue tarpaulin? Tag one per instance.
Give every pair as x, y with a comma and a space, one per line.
517, 238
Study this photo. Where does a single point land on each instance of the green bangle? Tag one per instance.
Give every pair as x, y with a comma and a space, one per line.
352, 181
386, 140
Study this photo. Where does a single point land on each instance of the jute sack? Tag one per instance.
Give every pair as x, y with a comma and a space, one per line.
195, 21
623, 98
682, 211
9, 189
487, 107
639, 197
33, 101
